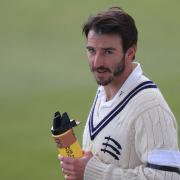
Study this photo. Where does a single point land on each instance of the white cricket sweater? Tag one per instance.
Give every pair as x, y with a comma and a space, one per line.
122, 132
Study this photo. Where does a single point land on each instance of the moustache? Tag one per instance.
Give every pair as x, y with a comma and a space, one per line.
100, 69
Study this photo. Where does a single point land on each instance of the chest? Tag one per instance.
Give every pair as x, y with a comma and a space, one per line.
114, 142
112, 132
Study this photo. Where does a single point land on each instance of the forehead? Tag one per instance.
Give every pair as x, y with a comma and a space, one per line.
103, 40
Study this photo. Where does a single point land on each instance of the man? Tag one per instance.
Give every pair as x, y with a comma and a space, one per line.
131, 132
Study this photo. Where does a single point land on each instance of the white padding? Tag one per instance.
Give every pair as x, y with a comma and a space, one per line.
164, 158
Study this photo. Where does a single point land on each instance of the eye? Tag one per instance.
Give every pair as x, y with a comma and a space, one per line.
91, 50
108, 51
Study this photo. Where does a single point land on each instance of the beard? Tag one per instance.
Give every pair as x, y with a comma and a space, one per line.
116, 71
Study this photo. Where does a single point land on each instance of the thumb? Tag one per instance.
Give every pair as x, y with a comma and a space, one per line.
88, 153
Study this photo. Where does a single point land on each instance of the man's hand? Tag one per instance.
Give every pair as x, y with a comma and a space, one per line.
73, 168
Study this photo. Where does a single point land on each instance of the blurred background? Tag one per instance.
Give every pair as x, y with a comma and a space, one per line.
43, 68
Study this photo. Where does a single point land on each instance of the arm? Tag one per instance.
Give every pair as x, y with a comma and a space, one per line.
154, 129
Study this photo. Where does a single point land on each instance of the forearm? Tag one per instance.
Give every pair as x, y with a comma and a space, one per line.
98, 170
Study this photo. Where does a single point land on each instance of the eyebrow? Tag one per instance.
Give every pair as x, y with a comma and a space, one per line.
89, 47
105, 49
110, 48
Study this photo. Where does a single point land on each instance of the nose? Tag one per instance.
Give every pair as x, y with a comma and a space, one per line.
98, 60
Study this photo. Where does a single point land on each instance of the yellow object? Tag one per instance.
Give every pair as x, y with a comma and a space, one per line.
67, 144
73, 150
64, 137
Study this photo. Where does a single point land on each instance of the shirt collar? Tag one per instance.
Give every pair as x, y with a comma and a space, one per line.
133, 77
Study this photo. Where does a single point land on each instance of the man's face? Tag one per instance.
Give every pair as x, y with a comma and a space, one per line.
106, 57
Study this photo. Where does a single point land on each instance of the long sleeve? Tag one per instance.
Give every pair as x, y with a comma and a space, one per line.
96, 170
155, 128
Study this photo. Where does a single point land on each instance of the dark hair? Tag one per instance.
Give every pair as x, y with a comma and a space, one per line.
113, 21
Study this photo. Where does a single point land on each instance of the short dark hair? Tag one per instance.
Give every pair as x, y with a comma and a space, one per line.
113, 21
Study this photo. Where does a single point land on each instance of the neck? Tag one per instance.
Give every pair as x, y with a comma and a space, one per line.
112, 88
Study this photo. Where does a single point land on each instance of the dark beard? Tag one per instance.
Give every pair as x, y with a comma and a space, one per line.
119, 69
104, 83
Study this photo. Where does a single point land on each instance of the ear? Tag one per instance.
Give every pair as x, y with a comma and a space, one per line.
130, 53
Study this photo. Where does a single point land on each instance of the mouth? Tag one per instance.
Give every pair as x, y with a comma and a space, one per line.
101, 70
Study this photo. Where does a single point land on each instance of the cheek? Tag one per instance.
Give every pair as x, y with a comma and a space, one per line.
90, 63
90, 60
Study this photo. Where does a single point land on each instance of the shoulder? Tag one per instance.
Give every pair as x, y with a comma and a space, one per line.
147, 92
148, 98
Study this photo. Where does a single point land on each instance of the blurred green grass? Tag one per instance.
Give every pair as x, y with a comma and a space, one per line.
43, 68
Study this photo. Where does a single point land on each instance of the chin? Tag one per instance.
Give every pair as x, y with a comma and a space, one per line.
104, 82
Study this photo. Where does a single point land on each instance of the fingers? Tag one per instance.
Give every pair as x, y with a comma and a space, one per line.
67, 165
67, 160
68, 169
69, 173
73, 168
67, 177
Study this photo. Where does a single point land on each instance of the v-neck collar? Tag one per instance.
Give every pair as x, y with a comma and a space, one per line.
94, 130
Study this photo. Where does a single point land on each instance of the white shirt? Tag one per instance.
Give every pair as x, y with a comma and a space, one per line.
105, 106
122, 144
